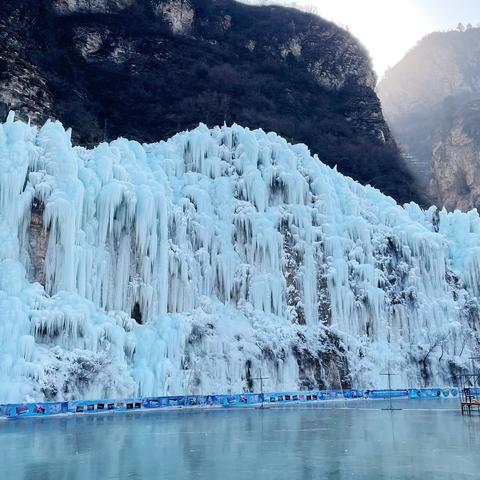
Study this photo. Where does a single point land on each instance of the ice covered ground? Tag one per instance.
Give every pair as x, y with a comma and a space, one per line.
187, 266
360, 442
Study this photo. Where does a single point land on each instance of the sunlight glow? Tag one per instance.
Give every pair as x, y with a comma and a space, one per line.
388, 29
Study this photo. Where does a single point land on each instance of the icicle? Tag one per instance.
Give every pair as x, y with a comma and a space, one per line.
224, 246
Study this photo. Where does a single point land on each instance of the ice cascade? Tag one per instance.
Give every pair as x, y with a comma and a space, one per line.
186, 266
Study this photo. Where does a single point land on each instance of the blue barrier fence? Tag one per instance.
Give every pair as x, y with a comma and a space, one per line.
41, 409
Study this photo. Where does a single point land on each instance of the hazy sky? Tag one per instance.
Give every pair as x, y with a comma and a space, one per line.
389, 28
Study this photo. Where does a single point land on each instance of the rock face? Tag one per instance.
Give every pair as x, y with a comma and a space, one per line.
456, 158
23, 86
38, 237
90, 6
148, 69
431, 99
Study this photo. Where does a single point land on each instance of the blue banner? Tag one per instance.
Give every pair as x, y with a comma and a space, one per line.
40, 409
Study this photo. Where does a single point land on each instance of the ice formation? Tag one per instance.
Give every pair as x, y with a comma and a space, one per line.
188, 266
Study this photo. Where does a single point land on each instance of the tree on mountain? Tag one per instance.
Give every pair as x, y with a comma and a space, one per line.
460, 27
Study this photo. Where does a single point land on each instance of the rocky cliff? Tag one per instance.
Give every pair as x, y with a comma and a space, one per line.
147, 69
431, 99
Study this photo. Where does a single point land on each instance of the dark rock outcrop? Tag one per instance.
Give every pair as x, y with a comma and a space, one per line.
146, 69
38, 237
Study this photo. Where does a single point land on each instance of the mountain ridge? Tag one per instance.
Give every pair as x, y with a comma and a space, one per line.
148, 69
430, 99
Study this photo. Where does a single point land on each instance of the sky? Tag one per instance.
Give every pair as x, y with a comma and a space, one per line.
389, 28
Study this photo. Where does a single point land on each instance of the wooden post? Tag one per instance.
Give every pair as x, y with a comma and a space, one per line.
261, 378
389, 375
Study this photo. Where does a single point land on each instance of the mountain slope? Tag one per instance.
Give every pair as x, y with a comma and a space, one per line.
432, 101
188, 265
148, 69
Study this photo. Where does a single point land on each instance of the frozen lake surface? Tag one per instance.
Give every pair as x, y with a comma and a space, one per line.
427, 439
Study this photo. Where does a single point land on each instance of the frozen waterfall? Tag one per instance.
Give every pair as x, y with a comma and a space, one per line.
185, 266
